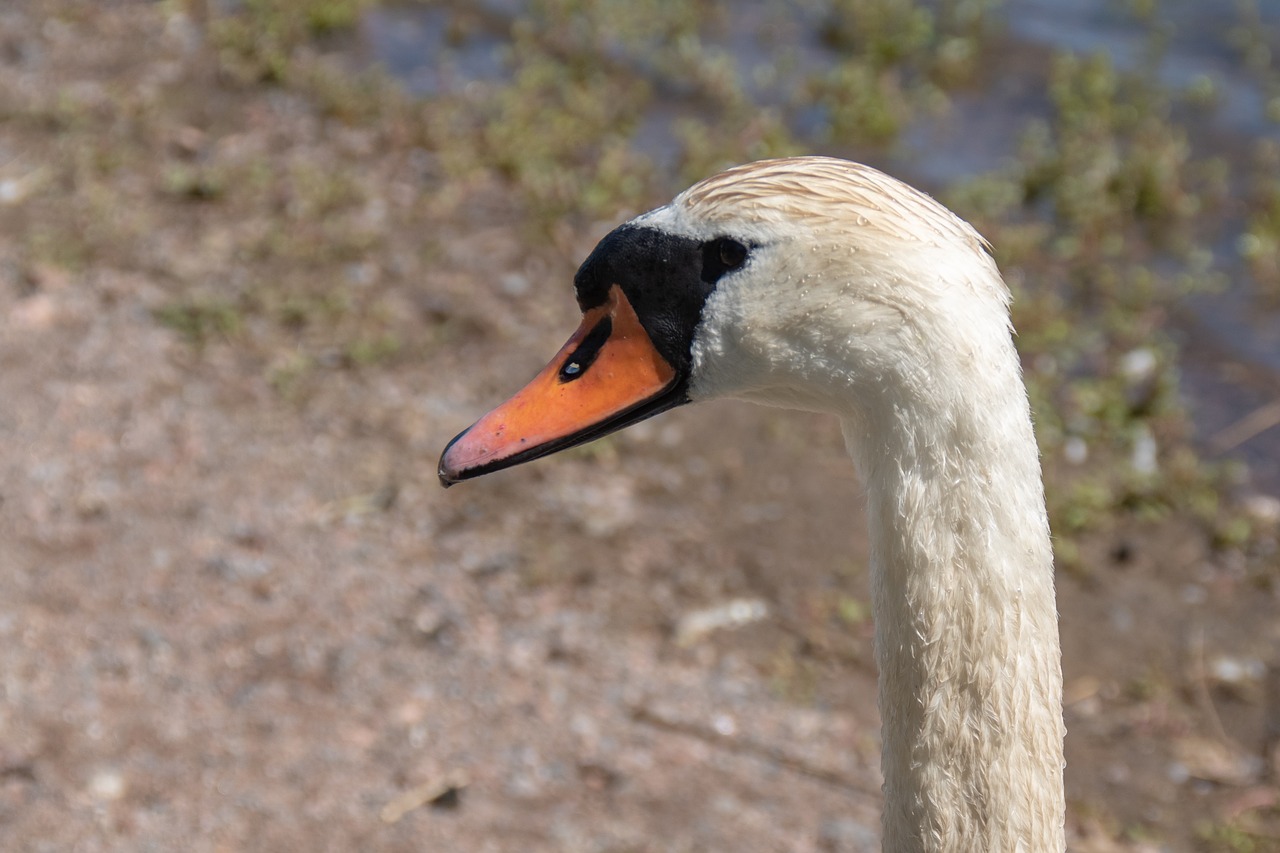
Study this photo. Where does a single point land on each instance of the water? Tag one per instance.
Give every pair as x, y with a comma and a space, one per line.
1232, 363
409, 41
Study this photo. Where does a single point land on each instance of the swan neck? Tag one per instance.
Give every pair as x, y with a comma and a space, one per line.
966, 622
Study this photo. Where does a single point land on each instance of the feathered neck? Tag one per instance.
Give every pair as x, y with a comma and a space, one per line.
966, 625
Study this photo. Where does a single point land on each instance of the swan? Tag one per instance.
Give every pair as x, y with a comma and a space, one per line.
825, 285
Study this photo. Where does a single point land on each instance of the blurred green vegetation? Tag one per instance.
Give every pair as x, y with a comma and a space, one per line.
1101, 223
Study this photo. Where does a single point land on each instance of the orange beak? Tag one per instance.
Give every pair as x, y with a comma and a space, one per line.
608, 376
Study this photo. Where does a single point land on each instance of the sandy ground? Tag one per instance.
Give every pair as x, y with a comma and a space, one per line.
233, 618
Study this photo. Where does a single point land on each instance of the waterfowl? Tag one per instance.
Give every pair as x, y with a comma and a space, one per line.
825, 285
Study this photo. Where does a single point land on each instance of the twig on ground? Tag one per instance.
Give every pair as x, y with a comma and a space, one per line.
763, 752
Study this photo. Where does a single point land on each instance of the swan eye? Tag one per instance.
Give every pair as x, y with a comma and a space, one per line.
721, 256
732, 253
581, 358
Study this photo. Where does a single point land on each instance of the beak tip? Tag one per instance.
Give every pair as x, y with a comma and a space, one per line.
449, 473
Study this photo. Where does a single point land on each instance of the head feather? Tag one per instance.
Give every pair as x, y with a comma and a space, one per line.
827, 191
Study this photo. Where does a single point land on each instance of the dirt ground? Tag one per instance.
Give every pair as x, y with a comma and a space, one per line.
239, 618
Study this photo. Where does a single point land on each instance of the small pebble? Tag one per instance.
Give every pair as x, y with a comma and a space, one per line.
1263, 509
514, 284
1138, 364
1230, 670
107, 785
1144, 451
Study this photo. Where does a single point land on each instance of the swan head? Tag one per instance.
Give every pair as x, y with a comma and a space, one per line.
809, 282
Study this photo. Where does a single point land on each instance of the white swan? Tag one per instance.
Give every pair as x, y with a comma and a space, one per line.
825, 285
